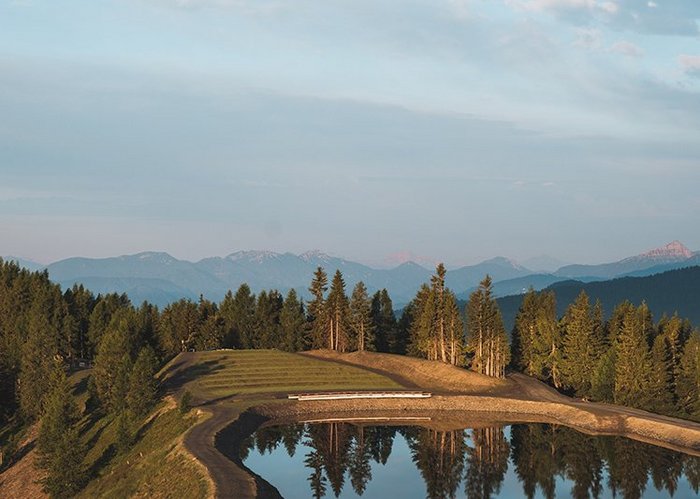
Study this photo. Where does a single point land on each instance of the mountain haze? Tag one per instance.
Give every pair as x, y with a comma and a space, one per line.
161, 278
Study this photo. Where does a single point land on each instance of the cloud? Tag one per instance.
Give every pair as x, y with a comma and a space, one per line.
627, 49
690, 64
589, 38
673, 17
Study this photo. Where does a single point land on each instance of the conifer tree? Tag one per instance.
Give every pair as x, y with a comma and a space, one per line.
293, 323
142, 383
337, 310
421, 313
61, 452
487, 339
360, 319
633, 362
581, 347
547, 346
317, 309
672, 330
38, 354
603, 380
238, 314
384, 323
660, 396
525, 333
113, 362
267, 332
688, 385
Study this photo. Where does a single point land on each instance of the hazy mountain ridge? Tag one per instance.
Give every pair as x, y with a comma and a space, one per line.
676, 290
161, 278
673, 255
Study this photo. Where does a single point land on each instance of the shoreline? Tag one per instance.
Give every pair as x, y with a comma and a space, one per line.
234, 479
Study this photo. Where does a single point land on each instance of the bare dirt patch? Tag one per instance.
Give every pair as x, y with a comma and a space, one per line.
419, 373
21, 479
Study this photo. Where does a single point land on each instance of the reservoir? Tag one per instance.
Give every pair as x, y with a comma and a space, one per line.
374, 459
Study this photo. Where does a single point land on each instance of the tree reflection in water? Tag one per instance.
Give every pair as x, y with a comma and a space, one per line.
342, 453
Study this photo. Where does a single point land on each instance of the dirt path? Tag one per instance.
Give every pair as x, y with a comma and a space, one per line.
457, 393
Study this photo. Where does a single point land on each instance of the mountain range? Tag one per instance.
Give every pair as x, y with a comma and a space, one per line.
161, 278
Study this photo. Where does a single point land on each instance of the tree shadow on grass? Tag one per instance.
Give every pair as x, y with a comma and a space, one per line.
102, 461
190, 373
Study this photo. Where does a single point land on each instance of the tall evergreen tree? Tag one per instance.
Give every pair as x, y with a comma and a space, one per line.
317, 309
633, 363
581, 347
525, 333
38, 354
114, 361
61, 452
688, 385
384, 323
360, 319
660, 395
267, 320
142, 383
487, 339
292, 323
238, 314
337, 311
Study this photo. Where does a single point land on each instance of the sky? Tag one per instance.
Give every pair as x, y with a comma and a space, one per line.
375, 130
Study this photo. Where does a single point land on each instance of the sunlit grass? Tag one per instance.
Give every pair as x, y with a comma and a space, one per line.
234, 372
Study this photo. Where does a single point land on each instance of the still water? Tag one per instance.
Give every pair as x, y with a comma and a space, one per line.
512, 461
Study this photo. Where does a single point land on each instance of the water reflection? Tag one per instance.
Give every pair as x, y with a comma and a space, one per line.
546, 460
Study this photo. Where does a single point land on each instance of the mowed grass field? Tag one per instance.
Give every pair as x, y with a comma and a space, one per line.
224, 373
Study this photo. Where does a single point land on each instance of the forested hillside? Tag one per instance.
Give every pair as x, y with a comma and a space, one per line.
666, 293
46, 333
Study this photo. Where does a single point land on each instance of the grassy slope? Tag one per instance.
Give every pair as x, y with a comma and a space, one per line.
224, 373
155, 466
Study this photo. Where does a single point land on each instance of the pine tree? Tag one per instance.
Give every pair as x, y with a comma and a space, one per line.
688, 385
142, 383
113, 362
547, 346
238, 314
317, 309
38, 354
210, 326
603, 380
672, 330
660, 395
337, 330
525, 333
384, 323
292, 323
421, 315
267, 332
633, 363
454, 330
581, 347
61, 452
487, 339
360, 319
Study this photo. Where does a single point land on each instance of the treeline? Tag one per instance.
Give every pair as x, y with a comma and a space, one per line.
629, 359
44, 332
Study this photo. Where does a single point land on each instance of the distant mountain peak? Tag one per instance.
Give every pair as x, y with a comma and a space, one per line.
158, 256
504, 262
674, 249
314, 255
252, 256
